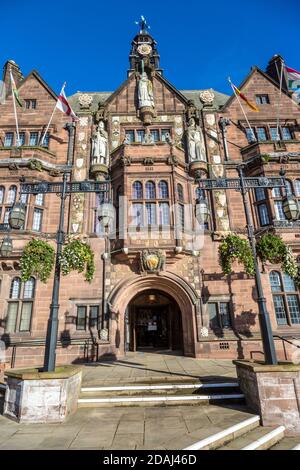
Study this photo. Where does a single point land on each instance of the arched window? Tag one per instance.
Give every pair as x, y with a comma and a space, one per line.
15, 288
29, 287
285, 299
11, 195
2, 191
137, 190
163, 190
150, 190
289, 187
180, 192
297, 187
20, 305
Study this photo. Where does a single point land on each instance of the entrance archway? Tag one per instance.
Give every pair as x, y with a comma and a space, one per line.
169, 284
153, 323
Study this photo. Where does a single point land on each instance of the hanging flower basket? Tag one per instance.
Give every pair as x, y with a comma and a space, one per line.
78, 256
37, 260
234, 248
273, 249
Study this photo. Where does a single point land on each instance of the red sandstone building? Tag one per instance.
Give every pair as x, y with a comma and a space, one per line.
155, 285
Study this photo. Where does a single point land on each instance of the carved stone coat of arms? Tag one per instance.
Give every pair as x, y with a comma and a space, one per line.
152, 260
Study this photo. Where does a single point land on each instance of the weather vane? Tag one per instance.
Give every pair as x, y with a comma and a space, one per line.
143, 25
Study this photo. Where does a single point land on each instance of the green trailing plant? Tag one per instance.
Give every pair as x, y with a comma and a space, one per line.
265, 157
78, 256
234, 248
37, 260
273, 249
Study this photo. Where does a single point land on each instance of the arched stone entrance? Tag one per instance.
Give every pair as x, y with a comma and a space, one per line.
169, 284
153, 323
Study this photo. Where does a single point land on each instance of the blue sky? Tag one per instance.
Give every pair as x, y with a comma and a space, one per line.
86, 43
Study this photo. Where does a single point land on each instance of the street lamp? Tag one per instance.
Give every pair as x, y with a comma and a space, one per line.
243, 185
6, 247
202, 211
105, 216
290, 208
16, 217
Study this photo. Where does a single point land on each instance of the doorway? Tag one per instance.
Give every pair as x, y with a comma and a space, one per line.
153, 323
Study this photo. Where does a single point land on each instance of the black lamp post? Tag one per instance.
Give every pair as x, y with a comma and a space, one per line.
243, 185
62, 189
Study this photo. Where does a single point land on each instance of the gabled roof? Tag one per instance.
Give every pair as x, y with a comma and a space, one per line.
246, 80
36, 75
184, 95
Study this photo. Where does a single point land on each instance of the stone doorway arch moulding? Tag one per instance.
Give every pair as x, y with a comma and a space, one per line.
169, 283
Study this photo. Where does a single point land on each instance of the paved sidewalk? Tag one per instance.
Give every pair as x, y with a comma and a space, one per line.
173, 427
148, 367
163, 427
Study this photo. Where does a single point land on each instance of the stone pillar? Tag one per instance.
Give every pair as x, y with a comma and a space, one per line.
273, 391
42, 397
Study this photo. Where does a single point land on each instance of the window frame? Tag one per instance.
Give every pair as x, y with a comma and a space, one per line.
20, 301
284, 294
217, 303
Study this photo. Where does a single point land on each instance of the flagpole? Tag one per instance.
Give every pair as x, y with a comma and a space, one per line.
15, 110
51, 117
243, 111
279, 101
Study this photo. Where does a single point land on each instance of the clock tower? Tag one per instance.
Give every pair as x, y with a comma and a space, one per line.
143, 53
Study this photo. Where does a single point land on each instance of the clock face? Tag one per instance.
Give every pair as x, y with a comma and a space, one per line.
144, 49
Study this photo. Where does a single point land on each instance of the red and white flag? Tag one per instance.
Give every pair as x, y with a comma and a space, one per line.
292, 73
64, 106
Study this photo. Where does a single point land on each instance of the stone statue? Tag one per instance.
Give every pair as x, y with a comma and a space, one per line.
99, 145
196, 146
145, 92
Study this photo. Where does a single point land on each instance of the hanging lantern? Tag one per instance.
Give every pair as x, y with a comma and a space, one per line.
291, 208
16, 217
6, 247
106, 214
202, 211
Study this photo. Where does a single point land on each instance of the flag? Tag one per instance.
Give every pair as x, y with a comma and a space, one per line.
15, 90
293, 79
64, 106
292, 73
244, 98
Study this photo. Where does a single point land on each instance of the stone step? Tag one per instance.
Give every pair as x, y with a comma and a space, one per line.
166, 389
163, 399
287, 443
221, 438
261, 438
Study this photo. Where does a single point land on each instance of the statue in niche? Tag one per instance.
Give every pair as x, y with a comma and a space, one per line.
196, 146
145, 92
99, 145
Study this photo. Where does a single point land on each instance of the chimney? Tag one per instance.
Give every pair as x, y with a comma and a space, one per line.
16, 72
274, 71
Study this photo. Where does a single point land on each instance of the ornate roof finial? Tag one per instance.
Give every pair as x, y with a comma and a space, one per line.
143, 25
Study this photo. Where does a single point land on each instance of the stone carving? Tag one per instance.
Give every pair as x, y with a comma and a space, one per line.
196, 146
145, 92
101, 114
99, 145
210, 119
148, 161
83, 121
192, 111
204, 332
81, 136
125, 161
152, 260
115, 132
207, 96
85, 101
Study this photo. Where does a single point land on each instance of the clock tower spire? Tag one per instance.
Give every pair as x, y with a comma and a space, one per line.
143, 54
